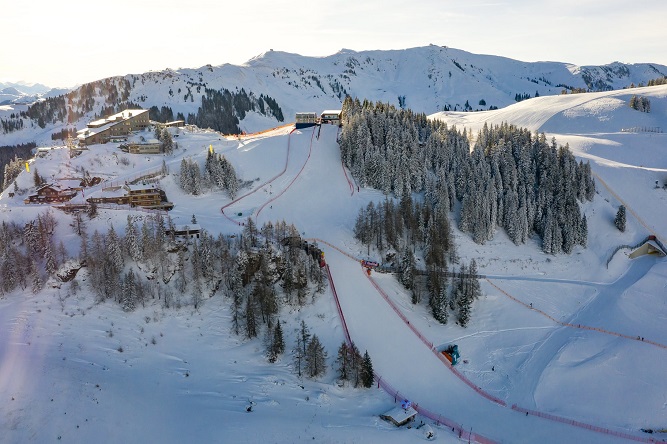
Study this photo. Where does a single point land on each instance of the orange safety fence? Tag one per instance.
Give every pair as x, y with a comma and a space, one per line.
289, 139
258, 132
398, 397
501, 402
429, 344
462, 433
310, 150
584, 425
579, 326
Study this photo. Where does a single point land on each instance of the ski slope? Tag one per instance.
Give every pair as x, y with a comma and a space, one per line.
399, 355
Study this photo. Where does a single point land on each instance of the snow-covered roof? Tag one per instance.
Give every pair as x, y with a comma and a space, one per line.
399, 415
656, 247
148, 142
137, 187
110, 192
187, 227
332, 111
118, 117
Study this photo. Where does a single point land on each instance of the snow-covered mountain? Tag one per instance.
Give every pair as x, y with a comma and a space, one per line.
26, 88
426, 79
26, 93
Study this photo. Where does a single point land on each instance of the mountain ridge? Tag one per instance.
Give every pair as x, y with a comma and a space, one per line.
426, 79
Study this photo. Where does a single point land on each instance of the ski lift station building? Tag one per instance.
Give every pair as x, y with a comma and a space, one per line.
331, 116
305, 120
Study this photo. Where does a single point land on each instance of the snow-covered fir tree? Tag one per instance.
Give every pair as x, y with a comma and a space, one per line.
620, 219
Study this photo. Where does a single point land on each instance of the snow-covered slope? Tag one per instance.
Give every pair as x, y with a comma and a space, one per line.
559, 335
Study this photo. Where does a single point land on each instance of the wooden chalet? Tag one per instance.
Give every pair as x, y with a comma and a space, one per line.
135, 196
50, 193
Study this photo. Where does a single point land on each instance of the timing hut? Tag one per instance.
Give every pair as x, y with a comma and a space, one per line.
400, 415
305, 120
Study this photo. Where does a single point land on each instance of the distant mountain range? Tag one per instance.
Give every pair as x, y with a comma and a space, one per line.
26, 93
273, 86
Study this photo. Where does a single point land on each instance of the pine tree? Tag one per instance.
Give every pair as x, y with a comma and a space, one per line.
167, 142
344, 362
197, 296
475, 287
236, 289
407, 276
620, 219
250, 233
36, 279
304, 335
128, 296
355, 360
443, 313
250, 318
277, 343
114, 249
298, 357
36, 178
78, 224
583, 233
464, 303
51, 265
366, 372
315, 358
184, 177
92, 210
132, 240
301, 348
462, 296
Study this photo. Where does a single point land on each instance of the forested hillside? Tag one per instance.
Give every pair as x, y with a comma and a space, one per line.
511, 179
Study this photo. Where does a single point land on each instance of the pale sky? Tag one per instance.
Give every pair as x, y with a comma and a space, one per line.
64, 43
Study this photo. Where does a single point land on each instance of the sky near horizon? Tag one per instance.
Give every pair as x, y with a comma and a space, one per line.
62, 44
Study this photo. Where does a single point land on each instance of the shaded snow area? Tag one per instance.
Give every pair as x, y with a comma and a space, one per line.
567, 348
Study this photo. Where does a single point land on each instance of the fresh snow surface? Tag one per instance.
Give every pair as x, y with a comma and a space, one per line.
62, 374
